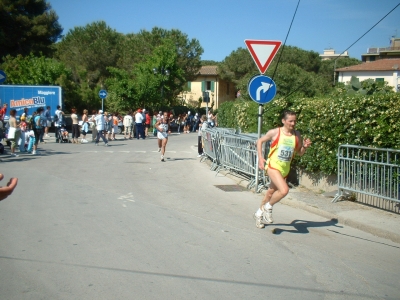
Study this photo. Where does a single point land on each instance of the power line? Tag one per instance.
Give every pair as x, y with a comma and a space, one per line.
367, 31
284, 43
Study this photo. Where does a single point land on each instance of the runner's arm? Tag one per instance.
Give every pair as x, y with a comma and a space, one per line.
267, 137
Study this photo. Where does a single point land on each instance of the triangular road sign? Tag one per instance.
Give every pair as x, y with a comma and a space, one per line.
263, 52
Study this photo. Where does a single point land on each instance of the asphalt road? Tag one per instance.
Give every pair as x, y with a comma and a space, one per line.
89, 222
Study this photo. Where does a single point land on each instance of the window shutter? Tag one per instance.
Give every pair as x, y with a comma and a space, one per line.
189, 86
212, 86
203, 86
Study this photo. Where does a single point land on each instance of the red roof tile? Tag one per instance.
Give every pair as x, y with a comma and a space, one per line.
378, 65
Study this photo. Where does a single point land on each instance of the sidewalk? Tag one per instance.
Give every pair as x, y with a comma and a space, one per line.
368, 219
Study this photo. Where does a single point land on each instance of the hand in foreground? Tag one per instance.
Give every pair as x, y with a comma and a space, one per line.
7, 190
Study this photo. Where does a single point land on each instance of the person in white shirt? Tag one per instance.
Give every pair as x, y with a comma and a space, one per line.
139, 120
100, 123
128, 122
162, 127
203, 126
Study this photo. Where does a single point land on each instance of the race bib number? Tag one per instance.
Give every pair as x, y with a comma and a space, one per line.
285, 153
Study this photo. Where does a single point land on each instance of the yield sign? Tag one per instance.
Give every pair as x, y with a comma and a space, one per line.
263, 52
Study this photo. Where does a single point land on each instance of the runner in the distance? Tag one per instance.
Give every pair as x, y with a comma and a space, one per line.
285, 141
162, 126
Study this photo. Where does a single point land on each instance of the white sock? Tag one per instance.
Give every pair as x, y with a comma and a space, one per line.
259, 212
268, 206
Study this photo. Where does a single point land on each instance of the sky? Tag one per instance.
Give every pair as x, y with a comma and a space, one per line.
221, 26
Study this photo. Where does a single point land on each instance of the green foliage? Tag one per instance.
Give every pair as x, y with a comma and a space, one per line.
88, 51
32, 70
328, 66
366, 87
27, 27
294, 71
327, 121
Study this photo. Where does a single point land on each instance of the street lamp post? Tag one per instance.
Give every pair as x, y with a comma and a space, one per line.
164, 72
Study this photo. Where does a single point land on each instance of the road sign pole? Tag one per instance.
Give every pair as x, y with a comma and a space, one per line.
260, 112
102, 104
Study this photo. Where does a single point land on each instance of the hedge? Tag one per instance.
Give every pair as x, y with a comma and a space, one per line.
371, 121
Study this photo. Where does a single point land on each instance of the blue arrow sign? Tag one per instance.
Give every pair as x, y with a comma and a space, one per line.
262, 89
102, 94
3, 76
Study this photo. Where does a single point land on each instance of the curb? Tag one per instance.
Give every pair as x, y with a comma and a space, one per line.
317, 211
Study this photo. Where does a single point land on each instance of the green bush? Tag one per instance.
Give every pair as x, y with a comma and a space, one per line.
370, 121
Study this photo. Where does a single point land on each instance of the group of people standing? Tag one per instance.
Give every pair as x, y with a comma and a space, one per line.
29, 130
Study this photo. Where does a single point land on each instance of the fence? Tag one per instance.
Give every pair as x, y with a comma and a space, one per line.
234, 152
369, 171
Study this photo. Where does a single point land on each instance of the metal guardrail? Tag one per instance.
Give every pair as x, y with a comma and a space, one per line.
234, 152
369, 171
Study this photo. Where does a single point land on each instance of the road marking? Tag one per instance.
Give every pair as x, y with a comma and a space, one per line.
124, 151
126, 198
140, 151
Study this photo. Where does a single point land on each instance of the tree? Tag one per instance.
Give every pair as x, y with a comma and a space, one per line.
159, 89
88, 51
33, 70
136, 47
27, 26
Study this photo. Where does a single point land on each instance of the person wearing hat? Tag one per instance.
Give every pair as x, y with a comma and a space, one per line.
100, 124
139, 124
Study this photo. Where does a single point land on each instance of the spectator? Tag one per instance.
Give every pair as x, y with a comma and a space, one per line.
203, 126
3, 112
93, 127
37, 127
128, 122
14, 132
47, 115
139, 124
108, 125
115, 121
85, 126
195, 122
147, 124
75, 127
100, 123
24, 128
210, 119
58, 121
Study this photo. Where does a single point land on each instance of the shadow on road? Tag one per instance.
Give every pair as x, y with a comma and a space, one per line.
301, 226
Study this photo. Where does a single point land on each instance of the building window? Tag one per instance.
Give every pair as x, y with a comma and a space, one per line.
379, 80
207, 86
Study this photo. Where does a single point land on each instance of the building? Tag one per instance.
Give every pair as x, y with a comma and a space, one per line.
381, 70
376, 53
330, 54
207, 80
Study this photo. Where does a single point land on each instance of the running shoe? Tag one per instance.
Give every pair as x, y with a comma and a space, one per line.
162, 158
159, 149
14, 155
267, 216
259, 223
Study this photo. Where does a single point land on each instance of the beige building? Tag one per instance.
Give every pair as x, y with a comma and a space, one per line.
207, 80
330, 54
377, 53
381, 70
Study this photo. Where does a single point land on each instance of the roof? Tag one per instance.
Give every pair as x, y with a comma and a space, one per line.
208, 70
378, 65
